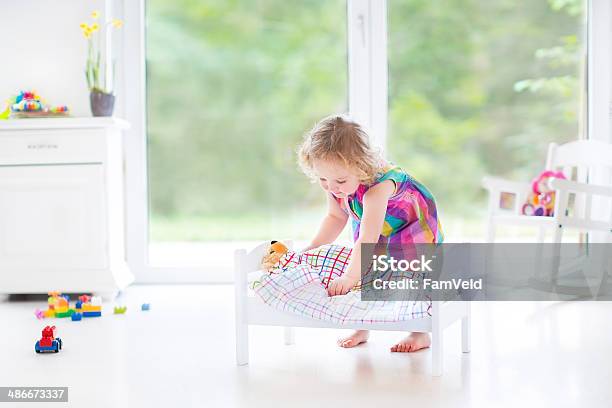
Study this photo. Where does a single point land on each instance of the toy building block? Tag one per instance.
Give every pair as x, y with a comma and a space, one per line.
61, 303
66, 313
58, 305
84, 298
119, 309
48, 343
145, 307
89, 306
76, 317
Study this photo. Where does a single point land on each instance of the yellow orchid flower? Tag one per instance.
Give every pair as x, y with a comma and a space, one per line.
83, 25
95, 27
117, 23
95, 15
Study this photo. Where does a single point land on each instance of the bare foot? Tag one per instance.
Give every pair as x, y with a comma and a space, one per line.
415, 341
360, 336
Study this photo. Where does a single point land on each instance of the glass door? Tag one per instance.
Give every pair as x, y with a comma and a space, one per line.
231, 88
482, 87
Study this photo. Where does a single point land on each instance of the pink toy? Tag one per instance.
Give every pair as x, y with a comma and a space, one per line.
541, 201
39, 314
539, 185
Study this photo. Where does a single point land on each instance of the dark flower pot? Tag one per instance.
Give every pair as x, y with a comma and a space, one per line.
102, 104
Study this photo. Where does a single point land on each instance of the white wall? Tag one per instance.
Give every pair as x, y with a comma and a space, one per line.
42, 48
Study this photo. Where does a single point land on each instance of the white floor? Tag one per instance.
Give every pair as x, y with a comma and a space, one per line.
181, 354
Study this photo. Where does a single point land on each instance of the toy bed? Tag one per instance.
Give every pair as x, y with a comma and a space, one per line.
251, 310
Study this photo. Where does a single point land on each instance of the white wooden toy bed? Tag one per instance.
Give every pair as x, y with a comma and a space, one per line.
251, 310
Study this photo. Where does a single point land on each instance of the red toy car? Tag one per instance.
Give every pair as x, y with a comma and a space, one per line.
48, 343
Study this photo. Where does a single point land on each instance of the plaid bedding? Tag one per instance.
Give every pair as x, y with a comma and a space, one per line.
299, 283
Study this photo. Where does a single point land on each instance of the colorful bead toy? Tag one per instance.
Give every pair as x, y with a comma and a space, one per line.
28, 103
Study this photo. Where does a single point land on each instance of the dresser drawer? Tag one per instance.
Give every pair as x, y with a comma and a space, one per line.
52, 217
19, 147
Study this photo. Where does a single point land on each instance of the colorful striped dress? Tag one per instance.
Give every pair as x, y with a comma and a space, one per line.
411, 217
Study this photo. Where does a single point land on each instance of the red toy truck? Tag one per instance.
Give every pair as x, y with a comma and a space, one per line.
48, 343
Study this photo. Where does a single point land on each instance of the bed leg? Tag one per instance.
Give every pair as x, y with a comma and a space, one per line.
437, 340
242, 344
240, 293
289, 333
466, 322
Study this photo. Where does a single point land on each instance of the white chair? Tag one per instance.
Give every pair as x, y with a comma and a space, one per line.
583, 202
585, 195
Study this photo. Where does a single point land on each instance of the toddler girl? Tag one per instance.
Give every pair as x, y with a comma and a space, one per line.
384, 203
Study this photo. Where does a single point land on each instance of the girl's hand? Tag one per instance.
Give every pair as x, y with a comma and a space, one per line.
341, 285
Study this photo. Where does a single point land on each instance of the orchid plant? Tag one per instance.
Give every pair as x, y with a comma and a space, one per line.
99, 75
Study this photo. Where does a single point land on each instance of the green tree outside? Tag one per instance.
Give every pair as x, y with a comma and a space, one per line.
476, 87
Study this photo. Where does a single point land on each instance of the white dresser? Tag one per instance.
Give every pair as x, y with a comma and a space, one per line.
62, 206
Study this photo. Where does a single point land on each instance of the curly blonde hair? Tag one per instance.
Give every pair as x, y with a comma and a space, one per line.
339, 139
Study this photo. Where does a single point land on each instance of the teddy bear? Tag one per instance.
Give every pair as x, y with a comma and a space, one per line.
273, 255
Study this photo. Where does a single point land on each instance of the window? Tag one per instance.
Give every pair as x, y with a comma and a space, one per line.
473, 88
231, 89
481, 88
